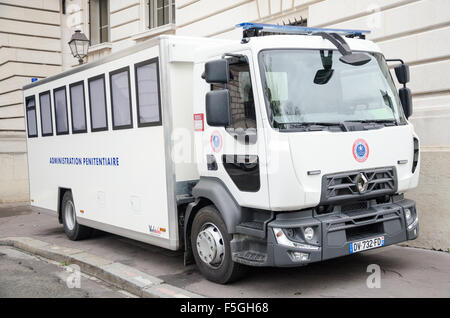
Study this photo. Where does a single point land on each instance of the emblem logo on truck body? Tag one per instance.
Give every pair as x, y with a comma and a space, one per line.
360, 150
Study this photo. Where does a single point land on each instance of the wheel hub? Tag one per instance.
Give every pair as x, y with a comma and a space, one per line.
70, 215
210, 245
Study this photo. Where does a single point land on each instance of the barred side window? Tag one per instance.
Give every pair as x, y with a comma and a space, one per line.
31, 116
78, 108
46, 114
97, 103
121, 98
147, 93
60, 100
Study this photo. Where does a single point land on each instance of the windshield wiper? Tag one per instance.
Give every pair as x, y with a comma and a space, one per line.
330, 124
375, 121
312, 126
347, 125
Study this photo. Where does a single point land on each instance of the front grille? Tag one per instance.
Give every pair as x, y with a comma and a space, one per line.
361, 232
344, 186
361, 205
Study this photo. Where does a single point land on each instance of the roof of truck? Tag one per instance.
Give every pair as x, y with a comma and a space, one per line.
209, 47
308, 42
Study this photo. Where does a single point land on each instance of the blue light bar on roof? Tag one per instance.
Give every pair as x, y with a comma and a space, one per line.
289, 29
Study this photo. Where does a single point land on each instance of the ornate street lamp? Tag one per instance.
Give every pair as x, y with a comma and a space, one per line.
79, 45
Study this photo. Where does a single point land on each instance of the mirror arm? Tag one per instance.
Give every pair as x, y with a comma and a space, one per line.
241, 58
396, 60
337, 41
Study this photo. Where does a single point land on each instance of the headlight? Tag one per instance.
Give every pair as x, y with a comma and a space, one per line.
412, 218
414, 223
408, 214
282, 239
290, 233
309, 233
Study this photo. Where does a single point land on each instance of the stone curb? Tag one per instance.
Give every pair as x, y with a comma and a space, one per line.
117, 274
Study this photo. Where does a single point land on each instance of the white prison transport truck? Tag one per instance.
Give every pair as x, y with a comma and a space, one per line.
298, 147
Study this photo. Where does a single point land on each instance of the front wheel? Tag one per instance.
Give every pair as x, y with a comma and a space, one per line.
73, 230
210, 243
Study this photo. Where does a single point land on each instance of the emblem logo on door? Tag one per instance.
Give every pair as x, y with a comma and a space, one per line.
216, 141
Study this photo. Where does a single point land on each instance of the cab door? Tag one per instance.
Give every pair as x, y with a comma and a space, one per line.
238, 149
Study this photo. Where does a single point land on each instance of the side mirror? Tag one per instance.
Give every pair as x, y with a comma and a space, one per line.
217, 72
218, 111
406, 99
402, 73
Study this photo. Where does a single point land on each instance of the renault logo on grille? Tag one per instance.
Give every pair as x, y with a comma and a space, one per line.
362, 183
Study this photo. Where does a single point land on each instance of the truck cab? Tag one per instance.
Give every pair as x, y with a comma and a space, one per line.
304, 151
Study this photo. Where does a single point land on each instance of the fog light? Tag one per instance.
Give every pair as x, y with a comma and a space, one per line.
299, 256
413, 224
408, 214
309, 233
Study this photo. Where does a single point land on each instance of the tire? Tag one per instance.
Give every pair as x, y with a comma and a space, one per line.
73, 230
224, 271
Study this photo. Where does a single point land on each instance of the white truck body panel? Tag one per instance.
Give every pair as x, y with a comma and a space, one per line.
140, 192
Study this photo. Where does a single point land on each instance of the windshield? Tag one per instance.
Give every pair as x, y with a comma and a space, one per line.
314, 86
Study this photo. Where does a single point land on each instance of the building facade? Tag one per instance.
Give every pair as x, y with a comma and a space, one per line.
34, 36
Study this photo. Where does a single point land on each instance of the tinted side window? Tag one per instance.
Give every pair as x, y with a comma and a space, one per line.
46, 114
97, 103
31, 116
147, 93
121, 98
78, 108
60, 100
241, 92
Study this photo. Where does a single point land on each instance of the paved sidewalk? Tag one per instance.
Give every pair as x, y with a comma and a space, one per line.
116, 274
406, 272
24, 275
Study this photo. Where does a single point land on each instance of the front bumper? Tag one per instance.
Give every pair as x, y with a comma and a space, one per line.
333, 234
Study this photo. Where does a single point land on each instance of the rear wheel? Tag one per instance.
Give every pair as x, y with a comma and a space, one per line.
73, 230
210, 243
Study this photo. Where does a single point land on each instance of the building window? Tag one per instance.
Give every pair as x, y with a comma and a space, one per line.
147, 93
99, 21
161, 12
78, 108
121, 98
46, 114
31, 116
97, 103
60, 100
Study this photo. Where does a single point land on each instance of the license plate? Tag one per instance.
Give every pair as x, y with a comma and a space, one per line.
368, 244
